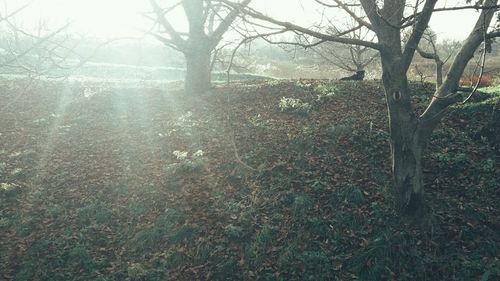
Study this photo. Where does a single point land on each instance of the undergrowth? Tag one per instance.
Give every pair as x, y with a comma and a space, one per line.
128, 194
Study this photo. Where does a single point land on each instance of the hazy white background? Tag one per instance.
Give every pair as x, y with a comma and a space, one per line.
118, 18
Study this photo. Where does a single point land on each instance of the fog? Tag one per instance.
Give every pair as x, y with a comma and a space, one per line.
125, 18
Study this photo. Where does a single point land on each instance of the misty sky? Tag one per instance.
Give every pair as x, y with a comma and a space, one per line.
106, 18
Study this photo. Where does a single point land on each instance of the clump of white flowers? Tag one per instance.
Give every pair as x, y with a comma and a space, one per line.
325, 91
186, 162
89, 92
294, 105
181, 155
198, 153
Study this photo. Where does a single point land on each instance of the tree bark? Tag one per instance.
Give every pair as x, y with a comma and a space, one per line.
406, 148
198, 74
405, 140
439, 73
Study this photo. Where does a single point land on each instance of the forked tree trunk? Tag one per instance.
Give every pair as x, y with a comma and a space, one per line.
197, 70
410, 133
405, 141
206, 28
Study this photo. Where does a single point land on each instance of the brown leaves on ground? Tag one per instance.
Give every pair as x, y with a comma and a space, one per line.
145, 184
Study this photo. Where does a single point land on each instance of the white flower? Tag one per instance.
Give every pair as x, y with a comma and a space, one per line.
181, 155
88, 92
198, 153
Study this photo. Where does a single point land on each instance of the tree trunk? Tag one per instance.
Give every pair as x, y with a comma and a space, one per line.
439, 73
405, 140
197, 71
407, 171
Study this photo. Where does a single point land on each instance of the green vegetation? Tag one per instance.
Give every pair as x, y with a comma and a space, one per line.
186, 164
294, 105
148, 185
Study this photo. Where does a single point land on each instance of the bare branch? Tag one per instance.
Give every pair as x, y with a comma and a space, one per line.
15, 12
445, 95
470, 7
160, 14
493, 34
418, 30
483, 61
228, 20
371, 10
38, 43
336, 6
319, 35
243, 42
353, 15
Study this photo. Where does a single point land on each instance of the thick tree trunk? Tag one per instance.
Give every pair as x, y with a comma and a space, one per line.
197, 71
198, 49
405, 141
407, 171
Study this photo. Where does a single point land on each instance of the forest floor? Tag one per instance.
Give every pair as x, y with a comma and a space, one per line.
240, 183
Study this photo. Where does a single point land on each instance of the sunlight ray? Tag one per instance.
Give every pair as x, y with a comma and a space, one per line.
57, 125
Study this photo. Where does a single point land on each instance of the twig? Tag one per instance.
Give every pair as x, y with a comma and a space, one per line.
233, 143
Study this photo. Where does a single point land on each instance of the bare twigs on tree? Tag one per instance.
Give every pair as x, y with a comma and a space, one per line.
208, 20
409, 133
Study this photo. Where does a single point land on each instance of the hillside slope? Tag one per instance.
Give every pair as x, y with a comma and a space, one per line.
238, 184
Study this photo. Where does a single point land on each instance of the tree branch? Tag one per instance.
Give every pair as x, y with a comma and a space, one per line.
228, 20
37, 44
445, 95
160, 15
15, 12
319, 35
418, 31
353, 15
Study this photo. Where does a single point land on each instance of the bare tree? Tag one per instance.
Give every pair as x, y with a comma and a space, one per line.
32, 52
41, 50
351, 57
409, 132
208, 20
429, 49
